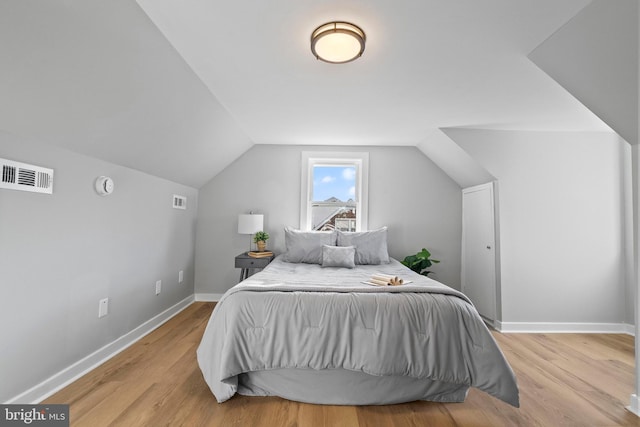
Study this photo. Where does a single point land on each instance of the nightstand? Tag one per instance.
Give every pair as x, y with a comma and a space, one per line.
247, 263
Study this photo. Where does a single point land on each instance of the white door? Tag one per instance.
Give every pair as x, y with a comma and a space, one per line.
478, 249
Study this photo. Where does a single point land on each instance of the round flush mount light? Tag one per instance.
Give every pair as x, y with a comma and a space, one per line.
337, 42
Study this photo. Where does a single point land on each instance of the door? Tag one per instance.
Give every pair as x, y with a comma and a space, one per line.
478, 249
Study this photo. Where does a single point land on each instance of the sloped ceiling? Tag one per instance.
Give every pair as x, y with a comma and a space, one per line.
179, 89
98, 78
597, 66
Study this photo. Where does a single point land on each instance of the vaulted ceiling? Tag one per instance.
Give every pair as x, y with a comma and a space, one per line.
427, 64
179, 89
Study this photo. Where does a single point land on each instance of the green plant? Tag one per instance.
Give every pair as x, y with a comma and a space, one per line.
420, 262
260, 236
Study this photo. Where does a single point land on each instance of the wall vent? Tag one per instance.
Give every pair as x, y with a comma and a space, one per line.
179, 202
24, 177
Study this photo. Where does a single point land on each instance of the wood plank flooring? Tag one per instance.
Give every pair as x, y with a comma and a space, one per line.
564, 379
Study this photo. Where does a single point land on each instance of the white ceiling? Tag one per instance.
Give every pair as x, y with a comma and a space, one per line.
180, 89
428, 64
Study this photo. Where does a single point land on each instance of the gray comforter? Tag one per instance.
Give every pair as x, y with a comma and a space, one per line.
308, 317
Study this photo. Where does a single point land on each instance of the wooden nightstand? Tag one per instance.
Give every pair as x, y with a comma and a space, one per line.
247, 263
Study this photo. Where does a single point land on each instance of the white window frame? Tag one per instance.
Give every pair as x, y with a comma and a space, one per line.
360, 160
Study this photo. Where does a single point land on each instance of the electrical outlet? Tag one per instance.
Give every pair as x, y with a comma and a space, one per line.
180, 276
103, 307
158, 287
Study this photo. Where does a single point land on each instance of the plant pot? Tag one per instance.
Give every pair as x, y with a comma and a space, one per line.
262, 245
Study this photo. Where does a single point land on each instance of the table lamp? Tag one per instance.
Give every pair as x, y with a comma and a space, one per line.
249, 224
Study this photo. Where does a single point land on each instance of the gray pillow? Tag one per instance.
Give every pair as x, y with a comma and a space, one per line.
306, 246
371, 246
338, 256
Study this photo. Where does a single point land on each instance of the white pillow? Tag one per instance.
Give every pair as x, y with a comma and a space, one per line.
338, 256
371, 246
306, 246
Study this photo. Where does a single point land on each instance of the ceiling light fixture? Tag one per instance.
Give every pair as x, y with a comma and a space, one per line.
337, 42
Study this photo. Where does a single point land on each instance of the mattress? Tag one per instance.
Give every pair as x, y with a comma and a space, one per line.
321, 335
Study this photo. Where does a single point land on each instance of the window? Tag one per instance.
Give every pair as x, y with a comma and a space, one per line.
334, 191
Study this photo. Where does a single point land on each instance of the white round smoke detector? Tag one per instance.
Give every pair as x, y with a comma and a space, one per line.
104, 185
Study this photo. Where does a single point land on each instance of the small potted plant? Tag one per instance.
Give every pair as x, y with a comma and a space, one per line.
420, 262
260, 238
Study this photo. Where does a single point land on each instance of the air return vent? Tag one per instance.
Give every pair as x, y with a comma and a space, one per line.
179, 202
24, 177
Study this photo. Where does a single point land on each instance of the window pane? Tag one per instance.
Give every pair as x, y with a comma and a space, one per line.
334, 183
325, 218
334, 198
345, 224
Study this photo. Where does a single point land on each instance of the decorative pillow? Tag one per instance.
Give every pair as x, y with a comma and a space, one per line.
338, 256
371, 246
306, 246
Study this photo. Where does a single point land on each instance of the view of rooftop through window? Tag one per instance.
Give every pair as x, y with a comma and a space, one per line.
334, 197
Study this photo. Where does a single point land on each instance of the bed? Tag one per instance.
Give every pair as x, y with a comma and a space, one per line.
315, 332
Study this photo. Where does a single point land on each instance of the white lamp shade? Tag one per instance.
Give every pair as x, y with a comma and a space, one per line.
250, 223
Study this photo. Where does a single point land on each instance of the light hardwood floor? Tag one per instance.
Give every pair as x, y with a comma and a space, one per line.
564, 379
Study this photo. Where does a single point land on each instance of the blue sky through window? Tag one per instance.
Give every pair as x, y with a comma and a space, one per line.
334, 181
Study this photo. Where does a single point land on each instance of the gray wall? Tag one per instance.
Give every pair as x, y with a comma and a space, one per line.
60, 254
407, 192
564, 222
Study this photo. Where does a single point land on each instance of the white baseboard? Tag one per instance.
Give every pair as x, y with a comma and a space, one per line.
629, 329
68, 375
634, 405
567, 327
208, 297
